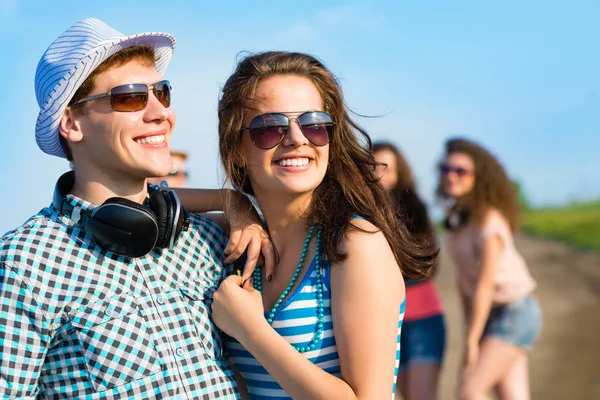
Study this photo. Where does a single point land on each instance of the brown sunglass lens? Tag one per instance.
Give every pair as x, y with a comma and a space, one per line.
129, 101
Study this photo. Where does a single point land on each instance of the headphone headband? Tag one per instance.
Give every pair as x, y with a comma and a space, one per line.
63, 186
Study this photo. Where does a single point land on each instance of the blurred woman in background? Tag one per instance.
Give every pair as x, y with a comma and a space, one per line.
502, 317
424, 333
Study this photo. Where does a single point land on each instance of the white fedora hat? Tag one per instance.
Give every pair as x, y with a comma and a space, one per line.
68, 62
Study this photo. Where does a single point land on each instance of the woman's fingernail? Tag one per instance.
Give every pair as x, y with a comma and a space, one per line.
269, 278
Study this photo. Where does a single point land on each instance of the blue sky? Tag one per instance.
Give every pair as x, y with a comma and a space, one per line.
523, 79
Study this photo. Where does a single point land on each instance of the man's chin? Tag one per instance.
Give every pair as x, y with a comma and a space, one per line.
159, 169
158, 174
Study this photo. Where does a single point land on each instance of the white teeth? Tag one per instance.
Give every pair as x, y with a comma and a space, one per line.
158, 139
293, 162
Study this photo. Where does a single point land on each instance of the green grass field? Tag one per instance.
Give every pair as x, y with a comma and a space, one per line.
576, 224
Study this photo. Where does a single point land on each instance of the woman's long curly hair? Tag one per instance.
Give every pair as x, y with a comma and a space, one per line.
492, 187
349, 187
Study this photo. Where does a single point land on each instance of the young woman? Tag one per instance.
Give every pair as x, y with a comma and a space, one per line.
502, 317
423, 331
326, 324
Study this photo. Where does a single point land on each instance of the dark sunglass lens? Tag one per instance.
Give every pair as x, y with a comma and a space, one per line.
461, 171
267, 137
131, 97
317, 127
317, 134
268, 130
129, 101
162, 91
444, 169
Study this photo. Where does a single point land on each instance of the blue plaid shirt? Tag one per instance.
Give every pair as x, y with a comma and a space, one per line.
80, 322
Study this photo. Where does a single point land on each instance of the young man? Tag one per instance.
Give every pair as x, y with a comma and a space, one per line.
106, 293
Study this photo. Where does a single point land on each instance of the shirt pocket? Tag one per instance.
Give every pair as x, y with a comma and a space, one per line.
199, 300
115, 342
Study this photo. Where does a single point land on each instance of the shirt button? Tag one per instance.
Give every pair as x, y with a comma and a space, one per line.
160, 300
108, 312
179, 352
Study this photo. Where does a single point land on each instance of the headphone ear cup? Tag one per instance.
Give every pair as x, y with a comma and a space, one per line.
164, 216
456, 219
181, 219
123, 227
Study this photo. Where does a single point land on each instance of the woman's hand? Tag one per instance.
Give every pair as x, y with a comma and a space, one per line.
247, 232
236, 309
240, 219
471, 357
466, 372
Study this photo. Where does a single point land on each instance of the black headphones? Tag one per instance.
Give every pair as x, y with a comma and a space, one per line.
125, 227
456, 218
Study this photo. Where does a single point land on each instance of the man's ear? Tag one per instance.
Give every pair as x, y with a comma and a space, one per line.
70, 126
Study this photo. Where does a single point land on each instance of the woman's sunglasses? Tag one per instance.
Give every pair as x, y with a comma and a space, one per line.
268, 130
134, 96
446, 169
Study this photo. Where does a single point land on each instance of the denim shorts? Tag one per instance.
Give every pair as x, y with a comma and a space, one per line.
518, 323
422, 341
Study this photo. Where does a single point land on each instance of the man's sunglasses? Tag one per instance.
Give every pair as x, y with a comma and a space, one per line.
268, 130
459, 171
134, 96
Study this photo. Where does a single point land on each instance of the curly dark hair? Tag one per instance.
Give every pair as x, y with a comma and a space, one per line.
349, 187
492, 187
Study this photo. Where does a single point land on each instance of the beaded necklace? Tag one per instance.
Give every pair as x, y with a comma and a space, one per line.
319, 325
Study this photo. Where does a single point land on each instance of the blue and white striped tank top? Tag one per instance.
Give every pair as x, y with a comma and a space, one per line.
295, 320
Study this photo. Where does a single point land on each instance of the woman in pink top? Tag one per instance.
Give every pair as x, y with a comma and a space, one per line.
502, 317
423, 333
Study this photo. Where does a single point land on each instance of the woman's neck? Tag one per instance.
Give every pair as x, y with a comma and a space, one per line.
285, 218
